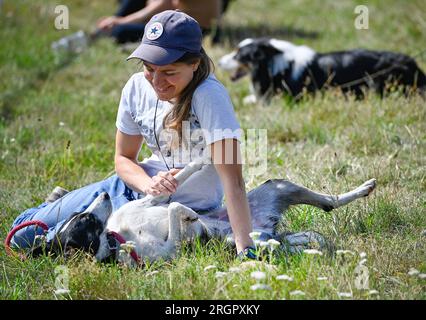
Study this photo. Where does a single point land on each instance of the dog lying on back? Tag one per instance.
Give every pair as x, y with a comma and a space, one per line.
156, 229
277, 66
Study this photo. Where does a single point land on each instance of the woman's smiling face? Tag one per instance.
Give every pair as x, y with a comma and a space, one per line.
169, 80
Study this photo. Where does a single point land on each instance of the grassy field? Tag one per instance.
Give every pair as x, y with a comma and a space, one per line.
57, 128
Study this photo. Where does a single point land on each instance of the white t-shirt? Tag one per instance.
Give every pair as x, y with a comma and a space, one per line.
211, 119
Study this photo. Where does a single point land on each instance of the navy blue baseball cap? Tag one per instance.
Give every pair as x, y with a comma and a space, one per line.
167, 37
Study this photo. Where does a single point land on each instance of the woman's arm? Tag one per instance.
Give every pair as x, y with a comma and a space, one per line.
142, 15
152, 8
127, 148
230, 173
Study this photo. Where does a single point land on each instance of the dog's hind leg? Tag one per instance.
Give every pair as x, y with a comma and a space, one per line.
271, 199
362, 191
179, 218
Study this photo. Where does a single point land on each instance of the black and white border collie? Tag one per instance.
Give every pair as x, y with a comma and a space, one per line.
277, 66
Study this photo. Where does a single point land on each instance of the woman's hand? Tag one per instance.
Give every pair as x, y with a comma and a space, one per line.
107, 23
164, 183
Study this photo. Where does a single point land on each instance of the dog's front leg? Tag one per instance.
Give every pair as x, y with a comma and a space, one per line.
179, 218
181, 176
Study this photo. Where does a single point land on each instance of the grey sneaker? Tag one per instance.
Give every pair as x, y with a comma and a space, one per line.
56, 194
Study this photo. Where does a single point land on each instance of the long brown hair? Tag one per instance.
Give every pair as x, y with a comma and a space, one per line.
181, 109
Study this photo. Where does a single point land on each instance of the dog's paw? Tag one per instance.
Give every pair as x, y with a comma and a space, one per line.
189, 216
367, 187
186, 214
297, 242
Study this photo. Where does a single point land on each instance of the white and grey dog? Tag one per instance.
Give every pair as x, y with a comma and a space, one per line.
157, 230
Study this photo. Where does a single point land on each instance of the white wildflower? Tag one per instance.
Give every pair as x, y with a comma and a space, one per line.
322, 278
297, 293
363, 255
255, 235
413, 272
61, 124
209, 267
220, 274
345, 294
284, 277
128, 246
62, 291
343, 252
273, 243
260, 286
12, 140
373, 292
263, 244
40, 237
312, 251
258, 275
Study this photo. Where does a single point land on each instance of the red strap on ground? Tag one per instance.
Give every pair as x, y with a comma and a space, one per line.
19, 227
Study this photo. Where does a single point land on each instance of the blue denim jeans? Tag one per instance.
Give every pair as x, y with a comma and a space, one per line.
56, 213
201, 192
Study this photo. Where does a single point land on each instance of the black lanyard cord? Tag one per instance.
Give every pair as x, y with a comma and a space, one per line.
156, 139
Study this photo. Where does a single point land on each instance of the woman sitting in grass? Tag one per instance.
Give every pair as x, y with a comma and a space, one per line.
181, 111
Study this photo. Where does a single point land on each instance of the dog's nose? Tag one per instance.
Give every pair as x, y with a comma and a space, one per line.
105, 195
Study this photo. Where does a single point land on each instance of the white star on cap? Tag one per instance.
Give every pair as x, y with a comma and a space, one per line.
155, 30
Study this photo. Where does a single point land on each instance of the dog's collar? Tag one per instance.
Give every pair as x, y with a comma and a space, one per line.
114, 241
